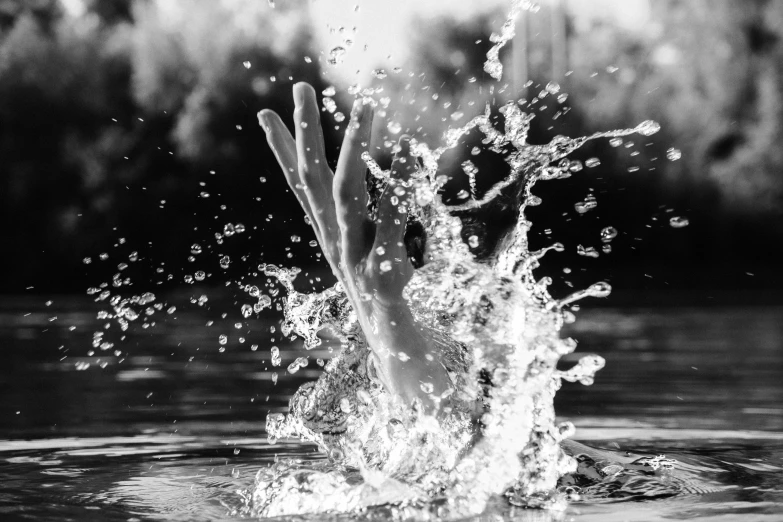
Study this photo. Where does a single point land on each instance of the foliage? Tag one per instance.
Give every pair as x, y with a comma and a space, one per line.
112, 122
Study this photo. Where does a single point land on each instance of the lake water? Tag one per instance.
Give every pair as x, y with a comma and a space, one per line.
172, 428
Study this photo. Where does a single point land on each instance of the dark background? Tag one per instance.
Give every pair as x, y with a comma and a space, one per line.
114, 122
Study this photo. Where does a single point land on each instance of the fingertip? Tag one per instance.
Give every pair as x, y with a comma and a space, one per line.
303, 91
263, 121
405, 144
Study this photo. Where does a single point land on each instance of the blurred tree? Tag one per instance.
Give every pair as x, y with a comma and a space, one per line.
111, 11
45, 12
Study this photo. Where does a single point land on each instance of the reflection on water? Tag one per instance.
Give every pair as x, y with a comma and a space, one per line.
173, 430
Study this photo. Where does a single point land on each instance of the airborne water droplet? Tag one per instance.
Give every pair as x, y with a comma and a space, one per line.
247, 310
678, 222
608, 233
592, 162
336, 55
648, 128
673, 154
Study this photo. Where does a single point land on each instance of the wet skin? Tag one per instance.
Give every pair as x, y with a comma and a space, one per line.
356, 246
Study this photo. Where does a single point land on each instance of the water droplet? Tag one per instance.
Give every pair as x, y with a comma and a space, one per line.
608, 233
224, 262
379, 73
228, 230
601, 289
336, 55
592, 162
345, 405
247, 64
329, 105
648, 128
586, 251
473, 241
678, 222
329, 91
380, 250
247, 310
239, 228
222, 339
295, 239
673, 154
385, 266
427, 387
294, 367
87, 260
616, 142
276, 359
552, 87
394, 127
584, 206
200, 275
339, 117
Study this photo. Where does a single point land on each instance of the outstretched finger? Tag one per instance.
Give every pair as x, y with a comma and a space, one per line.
284, 148
350, 186
393, 205
313, 170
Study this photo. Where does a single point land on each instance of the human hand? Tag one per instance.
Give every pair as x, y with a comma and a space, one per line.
368, 257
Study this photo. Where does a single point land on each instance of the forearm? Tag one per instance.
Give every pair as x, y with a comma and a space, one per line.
408, 357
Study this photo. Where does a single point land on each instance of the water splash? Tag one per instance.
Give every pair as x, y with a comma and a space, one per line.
498, 328
492, 66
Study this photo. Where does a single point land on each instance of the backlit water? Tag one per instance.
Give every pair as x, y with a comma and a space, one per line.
160, 436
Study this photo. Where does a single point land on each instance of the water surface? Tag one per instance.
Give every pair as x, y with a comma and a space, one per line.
176, 428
